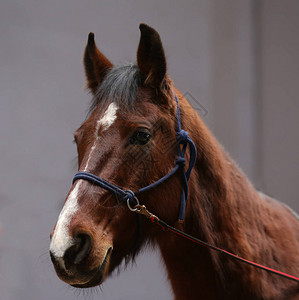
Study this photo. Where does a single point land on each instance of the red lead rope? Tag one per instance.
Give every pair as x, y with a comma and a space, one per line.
202, 243
141, 209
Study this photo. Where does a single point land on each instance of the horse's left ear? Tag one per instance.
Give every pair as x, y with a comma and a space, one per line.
151, 58
95, 63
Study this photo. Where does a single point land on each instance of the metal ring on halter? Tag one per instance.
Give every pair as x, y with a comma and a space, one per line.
129, 206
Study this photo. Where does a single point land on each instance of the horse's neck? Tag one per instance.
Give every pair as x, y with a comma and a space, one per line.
223, 209
215, 187
219, 191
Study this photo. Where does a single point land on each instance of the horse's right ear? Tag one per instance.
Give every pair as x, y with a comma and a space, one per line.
95, 63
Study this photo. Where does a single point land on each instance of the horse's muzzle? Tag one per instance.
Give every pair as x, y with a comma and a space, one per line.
80, 265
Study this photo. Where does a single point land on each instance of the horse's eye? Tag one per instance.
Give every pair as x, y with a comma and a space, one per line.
140, 137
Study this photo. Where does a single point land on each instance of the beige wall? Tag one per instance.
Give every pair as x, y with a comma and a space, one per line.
254, 90
279, 97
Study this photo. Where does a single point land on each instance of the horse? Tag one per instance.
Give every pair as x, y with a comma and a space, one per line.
129, 141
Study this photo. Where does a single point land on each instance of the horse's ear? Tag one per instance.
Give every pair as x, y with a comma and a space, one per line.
151, 58
95, 63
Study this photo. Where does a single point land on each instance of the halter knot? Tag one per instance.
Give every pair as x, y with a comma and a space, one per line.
181, 161
182, 136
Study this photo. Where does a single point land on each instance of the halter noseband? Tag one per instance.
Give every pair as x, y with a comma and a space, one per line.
183, 140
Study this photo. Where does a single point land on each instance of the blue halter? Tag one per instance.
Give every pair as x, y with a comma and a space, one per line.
183, 140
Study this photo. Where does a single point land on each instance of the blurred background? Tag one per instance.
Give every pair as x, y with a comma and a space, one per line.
238, 62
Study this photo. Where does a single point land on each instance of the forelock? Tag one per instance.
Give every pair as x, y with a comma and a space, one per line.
119, 86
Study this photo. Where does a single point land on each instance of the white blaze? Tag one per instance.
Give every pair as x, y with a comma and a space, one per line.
61, 240
106, 121
109, 117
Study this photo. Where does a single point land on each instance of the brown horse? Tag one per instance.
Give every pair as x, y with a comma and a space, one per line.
129, 139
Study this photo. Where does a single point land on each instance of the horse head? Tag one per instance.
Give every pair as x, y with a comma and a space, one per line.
129, 139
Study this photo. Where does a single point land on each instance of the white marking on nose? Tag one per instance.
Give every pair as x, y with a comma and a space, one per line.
106, 121
61, 240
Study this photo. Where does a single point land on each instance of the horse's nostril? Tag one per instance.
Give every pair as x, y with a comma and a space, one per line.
83, 247
79, 250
